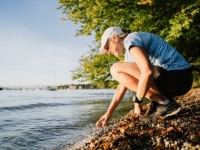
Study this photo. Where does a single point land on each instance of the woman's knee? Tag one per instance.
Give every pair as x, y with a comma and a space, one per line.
114, 69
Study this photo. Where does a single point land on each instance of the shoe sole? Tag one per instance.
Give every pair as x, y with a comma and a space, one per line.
173, 113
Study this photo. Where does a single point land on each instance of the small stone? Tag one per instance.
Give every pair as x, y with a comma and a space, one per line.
167, 144
198, 146
186, 144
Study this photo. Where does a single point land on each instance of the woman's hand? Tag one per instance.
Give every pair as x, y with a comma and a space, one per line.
139, 109
103, 120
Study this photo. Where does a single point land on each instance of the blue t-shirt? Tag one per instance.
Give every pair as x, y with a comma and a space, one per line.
160, 52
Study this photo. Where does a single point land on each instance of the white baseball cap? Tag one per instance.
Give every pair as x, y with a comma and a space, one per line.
108, 33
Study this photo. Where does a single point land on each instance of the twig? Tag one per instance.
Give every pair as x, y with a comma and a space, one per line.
193, 113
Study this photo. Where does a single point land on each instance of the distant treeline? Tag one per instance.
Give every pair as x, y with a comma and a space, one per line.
77, 86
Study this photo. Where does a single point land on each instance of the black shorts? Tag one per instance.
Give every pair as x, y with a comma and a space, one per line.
173, 83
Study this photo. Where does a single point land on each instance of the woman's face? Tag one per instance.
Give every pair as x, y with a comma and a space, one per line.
115, 46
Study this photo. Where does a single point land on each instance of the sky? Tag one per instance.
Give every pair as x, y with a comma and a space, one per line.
36, 47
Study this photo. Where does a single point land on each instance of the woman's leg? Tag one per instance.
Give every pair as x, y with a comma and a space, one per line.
128, 74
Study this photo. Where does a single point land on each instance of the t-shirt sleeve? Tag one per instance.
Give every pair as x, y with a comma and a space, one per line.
132, 40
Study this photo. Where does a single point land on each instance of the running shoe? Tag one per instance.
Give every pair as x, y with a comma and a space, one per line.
164, 111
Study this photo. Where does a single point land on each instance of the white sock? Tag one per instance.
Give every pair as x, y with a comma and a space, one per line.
165, 102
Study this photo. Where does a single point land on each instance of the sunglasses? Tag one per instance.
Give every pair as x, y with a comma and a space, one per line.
108, 44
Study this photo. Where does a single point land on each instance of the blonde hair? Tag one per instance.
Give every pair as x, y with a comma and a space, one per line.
124, 34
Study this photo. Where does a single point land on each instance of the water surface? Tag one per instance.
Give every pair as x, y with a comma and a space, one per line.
52, 119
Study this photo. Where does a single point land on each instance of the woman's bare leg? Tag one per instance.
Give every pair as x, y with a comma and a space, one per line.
128, 74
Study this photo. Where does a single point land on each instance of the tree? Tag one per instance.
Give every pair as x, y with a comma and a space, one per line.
178, 22
94, 70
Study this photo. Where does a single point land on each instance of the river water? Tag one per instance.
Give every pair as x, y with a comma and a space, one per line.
52, 119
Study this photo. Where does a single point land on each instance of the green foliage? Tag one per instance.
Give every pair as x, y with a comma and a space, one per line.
196, 79
184, 31
196, 75
95, 69
178, 22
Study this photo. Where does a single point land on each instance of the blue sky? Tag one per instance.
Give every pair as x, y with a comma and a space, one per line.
35, 43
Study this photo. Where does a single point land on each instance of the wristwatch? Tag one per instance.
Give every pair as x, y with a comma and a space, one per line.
136, 100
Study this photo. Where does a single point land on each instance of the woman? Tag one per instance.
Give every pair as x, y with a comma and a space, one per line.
152, 68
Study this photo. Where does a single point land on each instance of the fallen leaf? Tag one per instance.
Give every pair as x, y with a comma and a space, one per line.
194, 121
150, 131
105, 138
106, 145
92, 140
122, 130
179, 129
160, 119
92, 145
122, 123
134, 117
115, 136
170, 129
163, 133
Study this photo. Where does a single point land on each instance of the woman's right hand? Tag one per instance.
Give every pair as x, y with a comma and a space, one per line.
119, 93
139, 109
103, 120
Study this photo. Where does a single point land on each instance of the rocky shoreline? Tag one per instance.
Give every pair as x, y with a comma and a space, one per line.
179, 132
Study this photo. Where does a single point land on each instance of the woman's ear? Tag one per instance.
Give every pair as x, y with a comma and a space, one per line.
115, 38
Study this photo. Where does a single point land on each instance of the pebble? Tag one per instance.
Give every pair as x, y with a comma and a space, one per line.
186, 144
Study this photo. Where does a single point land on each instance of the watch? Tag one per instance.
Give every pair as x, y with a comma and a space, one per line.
136, 100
